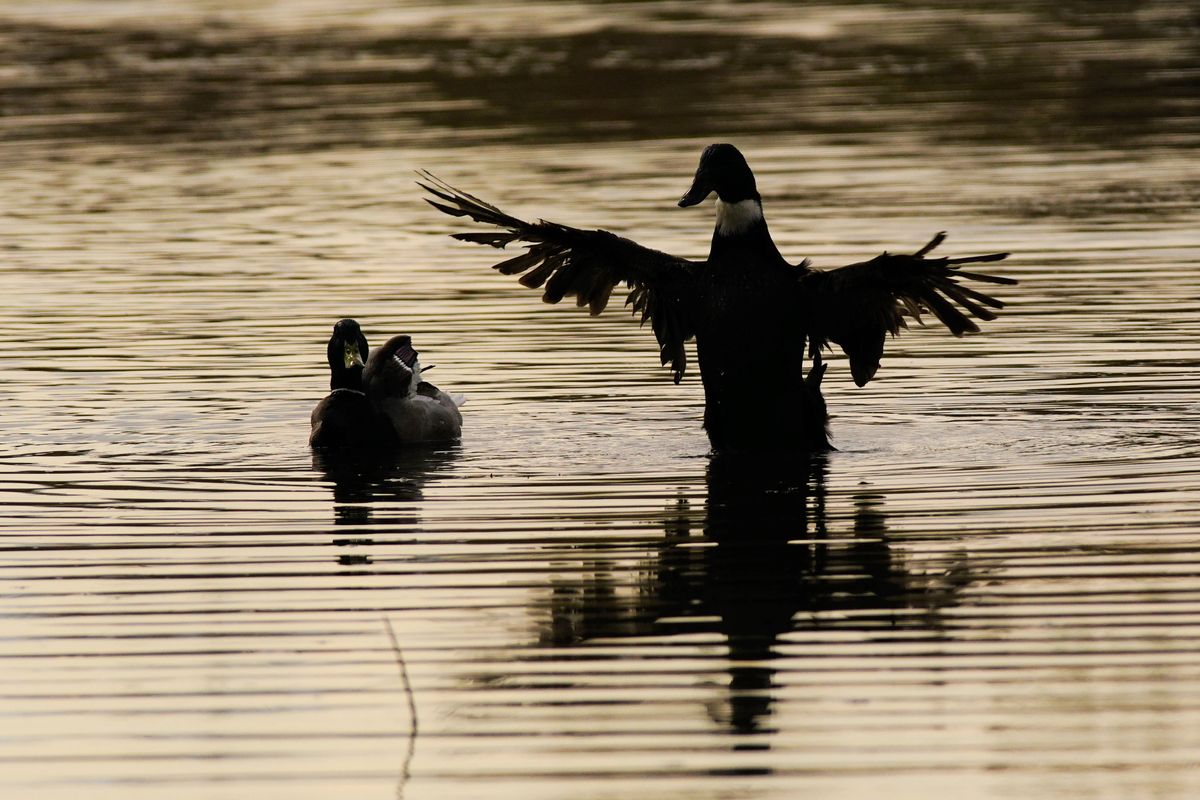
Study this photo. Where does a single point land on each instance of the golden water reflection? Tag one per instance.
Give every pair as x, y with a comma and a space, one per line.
989, 590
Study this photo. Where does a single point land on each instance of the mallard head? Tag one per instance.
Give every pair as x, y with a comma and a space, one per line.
347, 353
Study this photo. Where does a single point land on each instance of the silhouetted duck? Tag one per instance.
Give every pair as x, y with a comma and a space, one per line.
414, 410
345, 417
751, 312
379, 401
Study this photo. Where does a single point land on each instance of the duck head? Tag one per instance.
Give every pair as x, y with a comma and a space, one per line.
723, 170
347, 353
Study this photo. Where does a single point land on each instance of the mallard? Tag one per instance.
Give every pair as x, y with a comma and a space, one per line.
752, 313
345, 418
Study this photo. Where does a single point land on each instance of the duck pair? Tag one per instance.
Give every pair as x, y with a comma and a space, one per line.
753, 314
378, 400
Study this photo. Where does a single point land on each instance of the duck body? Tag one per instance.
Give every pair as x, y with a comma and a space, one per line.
753, 315
346, 419
412, 410
754, 394
430, 415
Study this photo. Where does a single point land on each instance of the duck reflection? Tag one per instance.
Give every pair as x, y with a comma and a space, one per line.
366, 478
759, 564
363, 484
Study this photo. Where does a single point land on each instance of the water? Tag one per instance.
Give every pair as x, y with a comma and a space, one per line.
991, 590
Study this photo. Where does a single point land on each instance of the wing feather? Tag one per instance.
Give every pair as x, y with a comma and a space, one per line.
857, 306
584, 264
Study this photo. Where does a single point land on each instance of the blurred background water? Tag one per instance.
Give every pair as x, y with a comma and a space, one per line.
992, 590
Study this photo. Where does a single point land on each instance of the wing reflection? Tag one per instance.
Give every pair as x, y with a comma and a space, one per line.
764, 562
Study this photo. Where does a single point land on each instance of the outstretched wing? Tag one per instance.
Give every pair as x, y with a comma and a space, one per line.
587, 265
856, 306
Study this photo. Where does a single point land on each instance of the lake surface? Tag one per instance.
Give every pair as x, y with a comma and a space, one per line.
992, 590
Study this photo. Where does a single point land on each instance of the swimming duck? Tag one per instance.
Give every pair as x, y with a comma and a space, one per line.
413, 410
345, 418
751, 312
379, 401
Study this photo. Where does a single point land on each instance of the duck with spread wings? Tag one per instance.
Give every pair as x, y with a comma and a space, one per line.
751, 312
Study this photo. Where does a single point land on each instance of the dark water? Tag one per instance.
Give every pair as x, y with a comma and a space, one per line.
992, 590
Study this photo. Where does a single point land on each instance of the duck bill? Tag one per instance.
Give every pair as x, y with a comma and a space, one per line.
701, 189
351, 355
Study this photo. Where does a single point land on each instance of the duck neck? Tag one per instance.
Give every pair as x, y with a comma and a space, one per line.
741, 231
341, 377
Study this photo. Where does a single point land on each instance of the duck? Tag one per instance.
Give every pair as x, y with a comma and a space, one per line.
345, 418
754, 316
377, 401
411, 409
